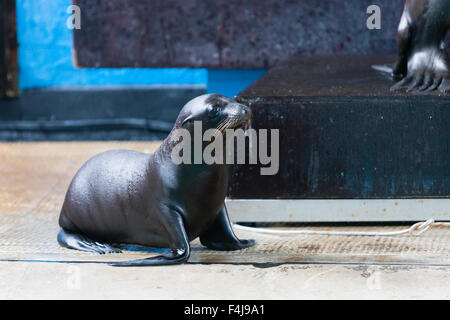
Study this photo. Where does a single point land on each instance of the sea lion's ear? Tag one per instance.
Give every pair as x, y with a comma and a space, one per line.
192, 117
189, 118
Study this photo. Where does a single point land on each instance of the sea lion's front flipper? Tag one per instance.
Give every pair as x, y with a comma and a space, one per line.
220, 235
180, 244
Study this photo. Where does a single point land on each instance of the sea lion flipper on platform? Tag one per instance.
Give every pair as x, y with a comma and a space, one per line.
76, 241
180, 243
423, 63
404, 39
220, 235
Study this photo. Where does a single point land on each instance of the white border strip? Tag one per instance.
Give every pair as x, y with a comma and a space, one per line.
338, 210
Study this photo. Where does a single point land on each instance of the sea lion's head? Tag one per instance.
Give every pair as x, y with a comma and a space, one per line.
214, 111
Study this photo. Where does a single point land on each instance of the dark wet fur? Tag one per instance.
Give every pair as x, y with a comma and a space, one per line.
129, 197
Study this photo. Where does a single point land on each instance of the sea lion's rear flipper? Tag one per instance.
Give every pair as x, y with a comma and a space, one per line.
180, 244
220, 235
77, 241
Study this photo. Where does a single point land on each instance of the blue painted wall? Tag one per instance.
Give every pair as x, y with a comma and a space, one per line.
231, 82
45, 58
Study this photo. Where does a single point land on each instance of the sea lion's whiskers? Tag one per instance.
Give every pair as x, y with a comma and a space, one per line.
224, 124
230, 121
221, 124
218, 128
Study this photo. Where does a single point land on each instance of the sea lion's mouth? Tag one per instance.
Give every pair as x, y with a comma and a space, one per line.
234, 123
244, 125
237, 117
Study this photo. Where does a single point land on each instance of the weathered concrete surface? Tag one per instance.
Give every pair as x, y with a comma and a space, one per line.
344, 76
81, 281
227, 34
34, 178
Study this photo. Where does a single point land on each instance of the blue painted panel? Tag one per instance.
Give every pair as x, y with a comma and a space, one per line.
45, 54
45, 58
231, 82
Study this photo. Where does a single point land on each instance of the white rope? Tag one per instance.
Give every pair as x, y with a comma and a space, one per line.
416, 229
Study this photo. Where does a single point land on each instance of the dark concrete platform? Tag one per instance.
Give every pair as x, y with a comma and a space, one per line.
227, 33
343, 134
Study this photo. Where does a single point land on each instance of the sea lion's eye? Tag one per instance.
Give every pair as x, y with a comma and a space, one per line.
214, 112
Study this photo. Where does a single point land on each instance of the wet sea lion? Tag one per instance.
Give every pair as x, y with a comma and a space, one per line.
129, 197
423, 63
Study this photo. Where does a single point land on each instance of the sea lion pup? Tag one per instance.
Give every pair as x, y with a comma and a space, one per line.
129, 197
423, 63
